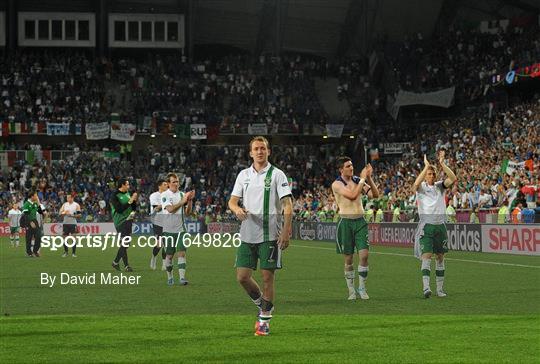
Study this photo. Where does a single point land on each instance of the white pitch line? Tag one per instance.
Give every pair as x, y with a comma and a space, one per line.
412, 256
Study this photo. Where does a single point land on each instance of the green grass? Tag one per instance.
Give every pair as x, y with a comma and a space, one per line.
490, 315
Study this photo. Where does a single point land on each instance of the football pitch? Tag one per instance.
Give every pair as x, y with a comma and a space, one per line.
491, 314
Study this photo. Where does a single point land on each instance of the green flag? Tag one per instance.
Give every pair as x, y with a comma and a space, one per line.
183, 131
30, 156
504, 166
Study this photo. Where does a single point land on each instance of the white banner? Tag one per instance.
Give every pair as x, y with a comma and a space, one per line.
198, 131
441, 98
334, 130
493, 26
394, 148
511, 239
123, 132
98, 228
57, 128
97, 131
257, 129
513, 166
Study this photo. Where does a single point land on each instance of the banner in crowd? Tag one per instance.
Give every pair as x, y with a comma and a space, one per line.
15, 128
111, 155
11, 127
334, 130
198, 131
58, 129
97, 131
394, 148
493, 26
257, 129
4, 160
441, 98
123, 132
511, 239
514, 167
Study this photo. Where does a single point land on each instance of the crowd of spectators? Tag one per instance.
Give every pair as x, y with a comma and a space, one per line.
466, 58
479, 151
51, 86
496, 157
231, 92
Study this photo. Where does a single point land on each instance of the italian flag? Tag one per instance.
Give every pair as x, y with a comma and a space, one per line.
14, 128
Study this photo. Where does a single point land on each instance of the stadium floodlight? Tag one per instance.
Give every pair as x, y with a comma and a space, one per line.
351, 136
152, 135
174, 136
325, 137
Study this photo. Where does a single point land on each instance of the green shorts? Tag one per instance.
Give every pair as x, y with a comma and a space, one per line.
268, 253
351, 234
14, 230
434, 239
173, 245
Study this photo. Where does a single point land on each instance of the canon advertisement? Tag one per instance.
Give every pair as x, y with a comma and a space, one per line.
102, 228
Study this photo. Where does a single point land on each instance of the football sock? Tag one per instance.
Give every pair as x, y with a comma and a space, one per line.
256, 297
439, 275
362, 274
168, 264
349, 277
426, 271
155, 251
182, 267
266, 308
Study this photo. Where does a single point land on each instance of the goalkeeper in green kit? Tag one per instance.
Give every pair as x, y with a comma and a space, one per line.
123, 207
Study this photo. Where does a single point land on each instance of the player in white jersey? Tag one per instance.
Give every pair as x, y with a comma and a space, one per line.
156, 216
70, 210
14, 216
175, 204
267, 201
431, 236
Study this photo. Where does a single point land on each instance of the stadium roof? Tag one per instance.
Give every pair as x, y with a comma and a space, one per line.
326, 27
